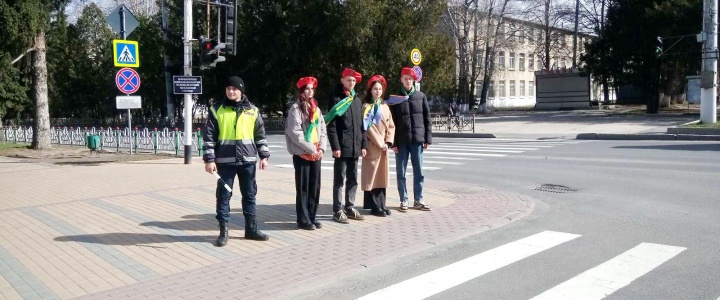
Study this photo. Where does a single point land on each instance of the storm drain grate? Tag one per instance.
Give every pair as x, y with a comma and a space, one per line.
554, 188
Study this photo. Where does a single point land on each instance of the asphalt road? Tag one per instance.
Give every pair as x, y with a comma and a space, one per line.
650, 207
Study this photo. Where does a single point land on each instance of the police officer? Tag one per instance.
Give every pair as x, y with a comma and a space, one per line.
233, 139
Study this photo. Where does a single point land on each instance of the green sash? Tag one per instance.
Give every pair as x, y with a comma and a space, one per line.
340, 108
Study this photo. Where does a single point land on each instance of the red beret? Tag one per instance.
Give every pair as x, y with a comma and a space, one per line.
303, 82
409, 71
350, 72
376, 78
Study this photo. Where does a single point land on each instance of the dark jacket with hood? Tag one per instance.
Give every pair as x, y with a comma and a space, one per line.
234, 134
345, 132
412, 120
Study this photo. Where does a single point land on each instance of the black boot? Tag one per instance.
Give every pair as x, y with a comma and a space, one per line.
223, 238
251, 231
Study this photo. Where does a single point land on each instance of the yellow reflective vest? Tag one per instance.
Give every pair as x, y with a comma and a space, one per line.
234, 134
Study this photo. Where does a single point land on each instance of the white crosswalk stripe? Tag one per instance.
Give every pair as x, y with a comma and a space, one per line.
594, 284
612, 275
458, 152
436, 281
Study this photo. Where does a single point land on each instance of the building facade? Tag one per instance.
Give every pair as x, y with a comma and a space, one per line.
520, 51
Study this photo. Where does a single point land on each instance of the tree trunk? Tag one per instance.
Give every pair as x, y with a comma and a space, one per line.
606, 91
41, 130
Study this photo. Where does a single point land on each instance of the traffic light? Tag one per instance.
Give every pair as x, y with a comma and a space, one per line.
230, 26
210, 53
658, 46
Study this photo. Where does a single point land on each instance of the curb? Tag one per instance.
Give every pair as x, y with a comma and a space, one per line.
694, 131
647, 137
463, 135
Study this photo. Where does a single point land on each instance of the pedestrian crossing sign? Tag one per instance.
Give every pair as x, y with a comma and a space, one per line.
126, 54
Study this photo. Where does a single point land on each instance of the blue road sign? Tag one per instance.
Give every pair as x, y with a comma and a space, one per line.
126, 53
127, 80
418, 71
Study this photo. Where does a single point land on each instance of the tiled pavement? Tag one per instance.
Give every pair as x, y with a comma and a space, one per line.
145, 230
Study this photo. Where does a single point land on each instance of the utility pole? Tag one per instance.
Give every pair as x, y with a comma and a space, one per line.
169, 101
575, 37
708, 93
187, 64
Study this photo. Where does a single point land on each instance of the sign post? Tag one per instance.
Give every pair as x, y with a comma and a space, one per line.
416, 59
128, 82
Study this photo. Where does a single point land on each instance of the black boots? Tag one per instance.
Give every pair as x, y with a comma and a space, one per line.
251, 231
223, 238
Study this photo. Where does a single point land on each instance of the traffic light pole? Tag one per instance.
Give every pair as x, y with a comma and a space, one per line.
187, 63
708, 93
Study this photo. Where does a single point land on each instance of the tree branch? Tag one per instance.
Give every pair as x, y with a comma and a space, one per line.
22, 55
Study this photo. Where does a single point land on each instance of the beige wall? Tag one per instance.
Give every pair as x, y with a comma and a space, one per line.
514, 69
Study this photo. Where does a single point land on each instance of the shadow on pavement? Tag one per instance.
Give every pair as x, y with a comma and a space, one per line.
270, 217
137, 239
676, 147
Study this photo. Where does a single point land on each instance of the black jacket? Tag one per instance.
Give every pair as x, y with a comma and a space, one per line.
412, 120
345, 132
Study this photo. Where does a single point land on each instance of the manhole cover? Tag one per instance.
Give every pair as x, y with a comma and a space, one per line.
554, 188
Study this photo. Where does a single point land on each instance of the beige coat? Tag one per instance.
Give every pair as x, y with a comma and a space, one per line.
376, 163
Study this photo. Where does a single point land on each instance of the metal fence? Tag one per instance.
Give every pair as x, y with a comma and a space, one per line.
165, 140
459, 123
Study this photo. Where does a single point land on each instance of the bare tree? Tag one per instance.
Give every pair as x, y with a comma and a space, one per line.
462, 20
555, 19
478, 30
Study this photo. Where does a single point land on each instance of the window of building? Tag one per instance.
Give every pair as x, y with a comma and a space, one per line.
501, 31
540, 36
491, 90
522, 88
531, 62
501, 59
563, 41
501, 88
512, 88
521, 34
540, 65
511, 34
511, 66
521, 63
531, 88
531, 35
479, 58
478, 88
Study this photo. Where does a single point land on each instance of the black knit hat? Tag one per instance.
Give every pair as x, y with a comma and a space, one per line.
236, 82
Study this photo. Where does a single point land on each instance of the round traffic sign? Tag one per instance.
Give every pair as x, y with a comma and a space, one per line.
415, 56
127, 80
418, 71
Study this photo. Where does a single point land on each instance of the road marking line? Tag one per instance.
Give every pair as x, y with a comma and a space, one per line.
441, 279
329, 162
482, 146
478, 149
532, 145
614, 274
290, 166
465, 154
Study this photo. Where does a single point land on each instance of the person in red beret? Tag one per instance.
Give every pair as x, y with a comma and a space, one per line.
413, 133
380, 133
306, 139
344, 129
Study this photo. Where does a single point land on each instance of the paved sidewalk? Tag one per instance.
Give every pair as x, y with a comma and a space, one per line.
145, 230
